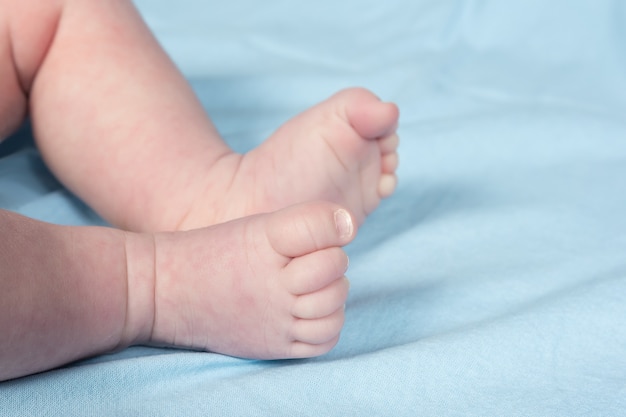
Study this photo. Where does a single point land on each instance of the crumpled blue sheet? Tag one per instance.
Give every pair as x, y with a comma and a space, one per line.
493, 283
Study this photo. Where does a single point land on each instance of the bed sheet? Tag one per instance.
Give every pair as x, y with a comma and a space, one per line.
492, 283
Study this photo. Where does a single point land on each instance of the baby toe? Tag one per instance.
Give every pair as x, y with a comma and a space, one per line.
314, 271
322, 303
305, 228
389, 144
387, 185
307, 350
370, 117
389, 163
319, 331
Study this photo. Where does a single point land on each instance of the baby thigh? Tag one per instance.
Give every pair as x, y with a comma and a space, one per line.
27, 28
12, 97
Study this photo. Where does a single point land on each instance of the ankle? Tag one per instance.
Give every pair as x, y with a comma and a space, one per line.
209, 203
140, 278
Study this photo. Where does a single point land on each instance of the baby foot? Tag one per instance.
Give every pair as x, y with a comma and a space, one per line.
342, 150
267, 286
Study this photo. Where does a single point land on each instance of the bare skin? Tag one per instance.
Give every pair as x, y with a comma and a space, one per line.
120, 126
267, 286
276, 288
342, 150
162, 158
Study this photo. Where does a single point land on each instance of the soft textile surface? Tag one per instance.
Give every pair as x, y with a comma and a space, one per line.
493, 283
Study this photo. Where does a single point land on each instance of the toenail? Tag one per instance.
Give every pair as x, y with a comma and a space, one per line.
343, 222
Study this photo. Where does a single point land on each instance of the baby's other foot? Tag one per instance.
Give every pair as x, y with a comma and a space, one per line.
343, 150
267, 286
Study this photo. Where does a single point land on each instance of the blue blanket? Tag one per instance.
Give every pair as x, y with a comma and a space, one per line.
493, 283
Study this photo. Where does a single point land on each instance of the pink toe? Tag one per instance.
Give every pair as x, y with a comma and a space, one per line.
387, 185
389, 163
306, 350
309, 227
389, 144
370, 117
319, 331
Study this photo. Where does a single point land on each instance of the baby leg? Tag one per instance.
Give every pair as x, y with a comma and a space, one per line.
120, 126
113, 118
266, 286
13, 102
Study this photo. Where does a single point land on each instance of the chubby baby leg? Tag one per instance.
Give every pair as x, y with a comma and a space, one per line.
268, 286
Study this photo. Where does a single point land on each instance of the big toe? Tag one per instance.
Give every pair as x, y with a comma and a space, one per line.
305, 228
370, 117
